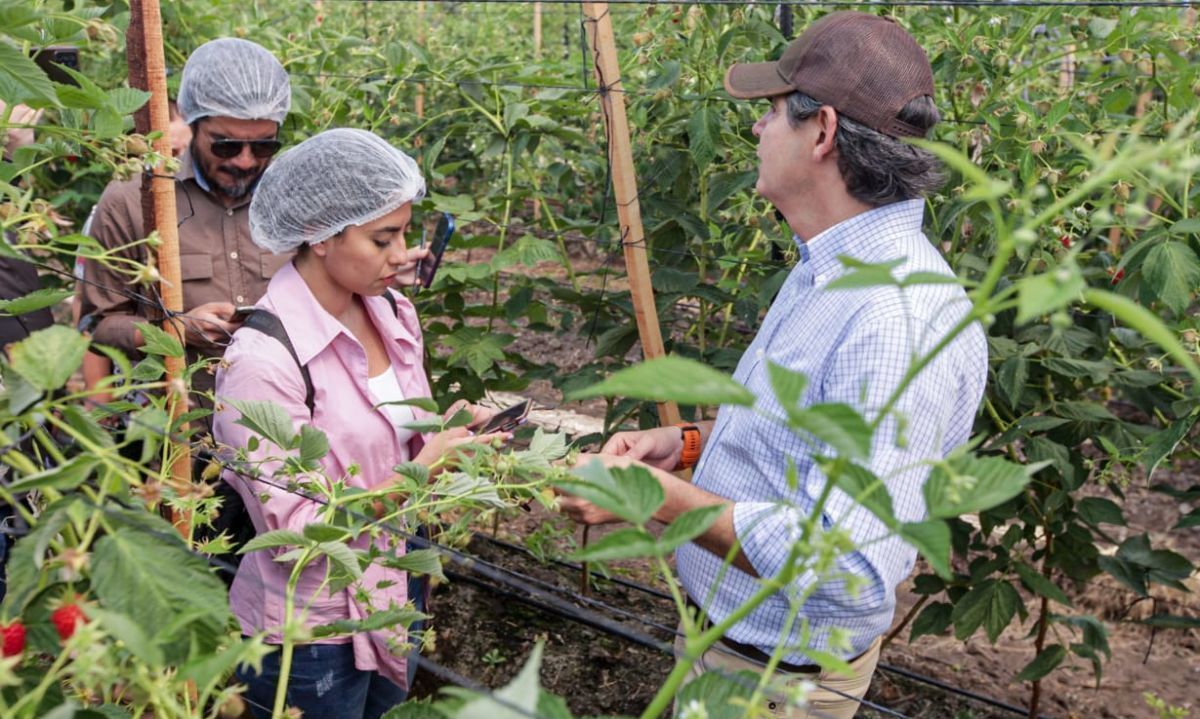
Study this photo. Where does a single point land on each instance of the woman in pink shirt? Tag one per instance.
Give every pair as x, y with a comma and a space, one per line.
343, 200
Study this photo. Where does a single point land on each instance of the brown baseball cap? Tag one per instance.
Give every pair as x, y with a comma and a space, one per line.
865, 66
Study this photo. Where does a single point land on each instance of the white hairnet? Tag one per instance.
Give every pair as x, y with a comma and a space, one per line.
234, 78
327, 183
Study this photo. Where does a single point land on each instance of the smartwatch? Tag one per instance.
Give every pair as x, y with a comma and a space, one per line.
691, 446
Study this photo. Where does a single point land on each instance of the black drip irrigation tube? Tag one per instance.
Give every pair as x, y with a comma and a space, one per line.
579, 568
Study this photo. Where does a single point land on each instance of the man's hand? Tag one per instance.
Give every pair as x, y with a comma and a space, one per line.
210, 323
581, 510
659, 447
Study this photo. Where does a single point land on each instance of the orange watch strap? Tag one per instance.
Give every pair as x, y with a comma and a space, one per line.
690, 454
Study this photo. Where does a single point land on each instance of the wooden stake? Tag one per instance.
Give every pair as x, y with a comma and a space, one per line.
537, 31
625, 189
419, 105
162, 188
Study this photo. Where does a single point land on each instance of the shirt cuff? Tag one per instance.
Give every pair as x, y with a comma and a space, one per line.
119, 331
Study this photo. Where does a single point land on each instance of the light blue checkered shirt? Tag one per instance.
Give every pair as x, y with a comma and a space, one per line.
854, 346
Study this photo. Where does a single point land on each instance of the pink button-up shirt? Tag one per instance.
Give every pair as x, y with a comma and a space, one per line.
260, 368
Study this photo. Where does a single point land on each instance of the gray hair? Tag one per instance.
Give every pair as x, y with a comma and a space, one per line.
878, 169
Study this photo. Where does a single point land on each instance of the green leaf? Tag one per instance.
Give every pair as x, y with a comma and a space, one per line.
1043, 663
991, 604
158, 342
205, 670
932, 539
1040, 585
723, 695
624, 543
864, 487
1171, 621
1146, 323
47, 358
428, 404
838, 425
418, 561
127, 100
384, 619
21, 80
631, 493
788, 386
520, 697
1190, 226
314, 445
167, 590
343, 556
266, 419
1098, 510
1045, 293
704, 130
861, 274
1011, 378
1161, 445
126, 631
688, 526
933, 620
1189, 520
321, 532
34, 301
1173, 272
965, 483
670, 378
65, 477
274, 539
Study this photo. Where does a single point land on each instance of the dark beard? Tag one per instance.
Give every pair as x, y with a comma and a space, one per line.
244, 180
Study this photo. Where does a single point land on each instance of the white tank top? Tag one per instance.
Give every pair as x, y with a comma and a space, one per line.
386, 388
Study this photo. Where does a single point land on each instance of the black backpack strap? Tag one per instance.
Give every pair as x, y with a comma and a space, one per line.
270, 325
387, 295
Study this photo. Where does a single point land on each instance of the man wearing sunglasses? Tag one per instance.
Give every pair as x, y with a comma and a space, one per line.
234, 94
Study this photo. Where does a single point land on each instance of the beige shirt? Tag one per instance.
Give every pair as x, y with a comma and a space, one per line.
218, 261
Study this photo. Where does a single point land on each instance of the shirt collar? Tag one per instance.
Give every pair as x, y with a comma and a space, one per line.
311, 328
873, 236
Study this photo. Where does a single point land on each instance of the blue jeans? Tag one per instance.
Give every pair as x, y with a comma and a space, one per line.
324, 681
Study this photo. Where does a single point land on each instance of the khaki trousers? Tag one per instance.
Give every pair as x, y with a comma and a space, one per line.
821, 703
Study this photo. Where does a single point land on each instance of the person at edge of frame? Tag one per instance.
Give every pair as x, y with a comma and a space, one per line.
339, 204
17, 279
97, 367
832, 159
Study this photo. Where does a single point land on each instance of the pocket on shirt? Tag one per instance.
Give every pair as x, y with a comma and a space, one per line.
271, 263
195, 267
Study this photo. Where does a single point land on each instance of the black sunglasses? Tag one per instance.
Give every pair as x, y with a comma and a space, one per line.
227, 149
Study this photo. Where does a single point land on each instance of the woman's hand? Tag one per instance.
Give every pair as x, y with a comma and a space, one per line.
406, 275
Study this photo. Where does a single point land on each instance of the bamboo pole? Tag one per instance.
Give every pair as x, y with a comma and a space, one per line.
537, 31
162, 189
625, 189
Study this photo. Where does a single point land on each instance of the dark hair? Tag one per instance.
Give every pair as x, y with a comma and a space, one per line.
878, 169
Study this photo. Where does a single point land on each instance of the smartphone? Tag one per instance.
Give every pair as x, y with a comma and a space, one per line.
241, 313
51, 57
508, 419
441, 239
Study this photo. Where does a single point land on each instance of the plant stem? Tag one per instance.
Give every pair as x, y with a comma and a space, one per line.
904, 622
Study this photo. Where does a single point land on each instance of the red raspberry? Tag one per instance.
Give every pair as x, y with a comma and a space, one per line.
1066, 241
14, 638
66, 618
1120, 275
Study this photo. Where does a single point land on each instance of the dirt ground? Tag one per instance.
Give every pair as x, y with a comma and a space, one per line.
486, 636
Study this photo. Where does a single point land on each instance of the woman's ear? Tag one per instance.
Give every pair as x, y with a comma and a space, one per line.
320, 248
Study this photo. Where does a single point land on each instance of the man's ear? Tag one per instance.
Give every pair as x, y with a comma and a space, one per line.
826, 145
